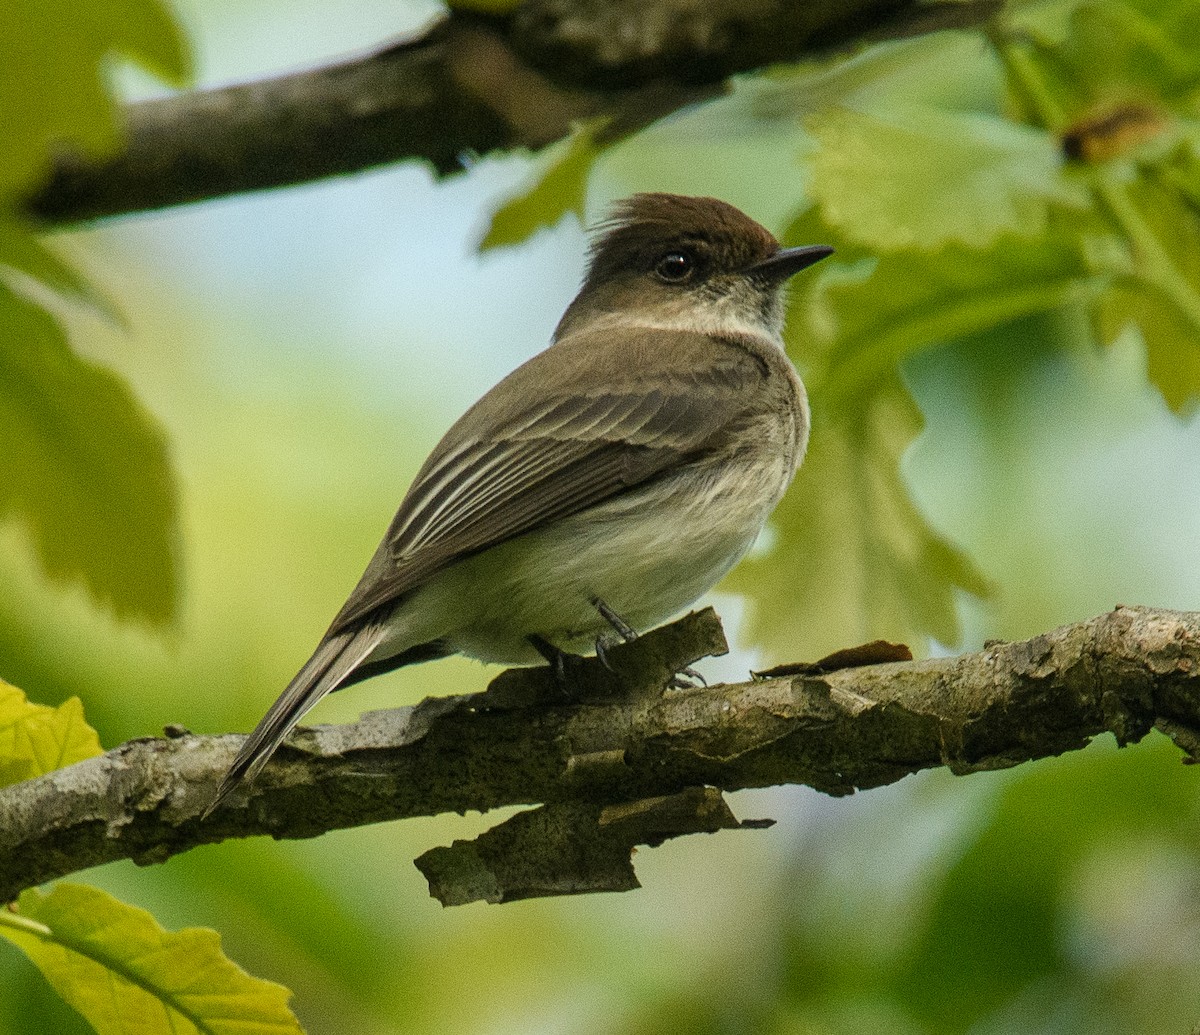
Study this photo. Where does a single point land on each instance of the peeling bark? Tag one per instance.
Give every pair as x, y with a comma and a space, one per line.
570, 848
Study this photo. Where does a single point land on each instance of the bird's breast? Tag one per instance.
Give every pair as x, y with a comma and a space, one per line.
648, 554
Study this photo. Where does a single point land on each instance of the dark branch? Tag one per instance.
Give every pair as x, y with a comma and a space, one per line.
623, 741
469, 85
569, 848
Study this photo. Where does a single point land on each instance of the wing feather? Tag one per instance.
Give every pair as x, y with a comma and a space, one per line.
569, 450
504, 474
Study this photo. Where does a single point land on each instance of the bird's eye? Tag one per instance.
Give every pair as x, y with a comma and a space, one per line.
675, 266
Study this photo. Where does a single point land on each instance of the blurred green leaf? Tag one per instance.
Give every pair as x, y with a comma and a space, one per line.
560, 187
1172, 349
860, 320
1110, 76
55, 82
967, 76
919, 178
22, 251
1161, 294
1115, 49
1059, 897
1181, 172
1089, 57
1171, 326
855, 560
809, 226
127, 975
85, 468
1000, 922
37, 739
485, 6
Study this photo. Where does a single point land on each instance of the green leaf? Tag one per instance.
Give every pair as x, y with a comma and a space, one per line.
84, 467
810, 227
1089, 57
128, 976
1172, 349
485, 6
560, 187
859, 320
918, 178
1181, 170
55, 79
854, 559
21, 250
1115, 50
1160, 294
37, 739
1000, 926
966, 76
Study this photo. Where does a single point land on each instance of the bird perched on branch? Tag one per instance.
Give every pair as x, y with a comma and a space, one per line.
603, 485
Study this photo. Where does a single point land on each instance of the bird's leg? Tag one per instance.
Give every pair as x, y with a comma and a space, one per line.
629, 634
555, 658
603, 642
620, 626
624, 631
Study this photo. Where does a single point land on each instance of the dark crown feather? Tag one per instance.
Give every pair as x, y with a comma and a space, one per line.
640, 228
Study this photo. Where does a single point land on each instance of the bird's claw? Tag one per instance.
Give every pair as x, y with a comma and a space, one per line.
604, 643
687, 679
620, 626
556, 659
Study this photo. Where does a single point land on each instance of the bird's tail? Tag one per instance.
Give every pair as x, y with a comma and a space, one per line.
334, 660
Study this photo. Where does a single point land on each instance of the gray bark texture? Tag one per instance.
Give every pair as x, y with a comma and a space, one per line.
468, 85
622, 760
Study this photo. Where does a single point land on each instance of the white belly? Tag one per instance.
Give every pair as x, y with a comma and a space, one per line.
647, 555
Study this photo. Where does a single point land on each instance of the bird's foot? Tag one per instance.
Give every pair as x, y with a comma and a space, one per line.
684, 679
604, 643
621, 627
560, 661
687, 679
557, 660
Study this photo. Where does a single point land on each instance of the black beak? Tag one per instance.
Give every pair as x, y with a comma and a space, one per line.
788, 261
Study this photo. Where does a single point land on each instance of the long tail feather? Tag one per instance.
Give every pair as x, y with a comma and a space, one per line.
331, 664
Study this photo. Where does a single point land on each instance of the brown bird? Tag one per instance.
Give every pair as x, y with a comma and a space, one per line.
606, 483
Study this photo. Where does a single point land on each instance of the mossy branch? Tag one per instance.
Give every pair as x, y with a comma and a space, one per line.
624, 761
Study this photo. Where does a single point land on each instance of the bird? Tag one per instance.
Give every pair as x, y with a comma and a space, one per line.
605, 484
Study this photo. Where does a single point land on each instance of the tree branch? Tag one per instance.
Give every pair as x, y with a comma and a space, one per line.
622, 740
469, 85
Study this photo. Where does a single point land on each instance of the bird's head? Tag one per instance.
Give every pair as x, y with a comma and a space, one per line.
694, 263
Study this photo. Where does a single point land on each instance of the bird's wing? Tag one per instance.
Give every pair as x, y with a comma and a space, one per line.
570, 448
564, 438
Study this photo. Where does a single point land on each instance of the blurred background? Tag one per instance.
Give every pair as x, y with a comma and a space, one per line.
304, 348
